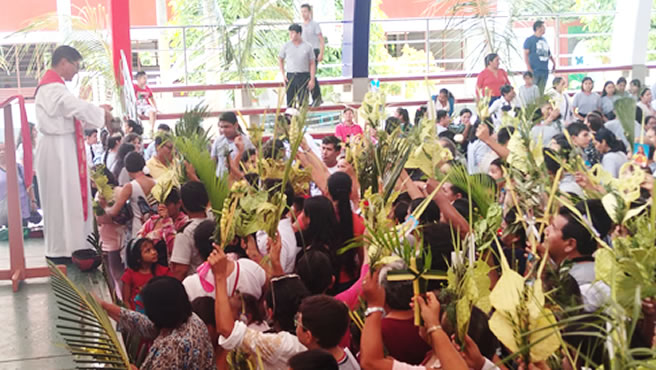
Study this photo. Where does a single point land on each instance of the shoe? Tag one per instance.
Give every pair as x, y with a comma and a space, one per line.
317, 103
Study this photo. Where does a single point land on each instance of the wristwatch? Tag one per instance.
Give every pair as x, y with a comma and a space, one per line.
371, 310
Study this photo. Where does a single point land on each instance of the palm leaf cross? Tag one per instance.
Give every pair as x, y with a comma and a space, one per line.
419, 278
85, 327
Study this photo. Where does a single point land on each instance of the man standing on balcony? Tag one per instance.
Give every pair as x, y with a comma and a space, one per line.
312, 35
61, 158
299, 57
537, 55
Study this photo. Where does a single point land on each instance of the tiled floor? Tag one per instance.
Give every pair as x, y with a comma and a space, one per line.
28, 339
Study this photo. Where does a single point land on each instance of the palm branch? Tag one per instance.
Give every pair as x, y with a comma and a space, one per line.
625, 108
199, 157
190, 125
85, 327
479, 187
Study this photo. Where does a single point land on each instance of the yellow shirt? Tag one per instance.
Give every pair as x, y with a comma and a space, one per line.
156, 167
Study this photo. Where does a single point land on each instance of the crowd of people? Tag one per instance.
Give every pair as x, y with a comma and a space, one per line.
293, 300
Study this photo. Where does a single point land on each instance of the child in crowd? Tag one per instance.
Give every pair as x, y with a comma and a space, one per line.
146, 105
142, 266
529, 92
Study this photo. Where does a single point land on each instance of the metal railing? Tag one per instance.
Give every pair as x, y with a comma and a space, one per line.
459, 101
424, 32
17, 271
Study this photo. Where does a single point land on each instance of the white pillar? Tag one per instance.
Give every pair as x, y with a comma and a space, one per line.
630, 34
64, 17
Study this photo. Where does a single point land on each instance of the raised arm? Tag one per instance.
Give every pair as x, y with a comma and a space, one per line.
222, 311
442, 347
446, 208
483, 134
371, 345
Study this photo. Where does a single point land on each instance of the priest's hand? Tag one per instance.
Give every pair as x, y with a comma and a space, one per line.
108, 114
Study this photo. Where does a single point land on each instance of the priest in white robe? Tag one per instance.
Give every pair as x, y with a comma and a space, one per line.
61, 119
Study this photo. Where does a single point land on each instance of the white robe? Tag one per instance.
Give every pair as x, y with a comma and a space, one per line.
56, 163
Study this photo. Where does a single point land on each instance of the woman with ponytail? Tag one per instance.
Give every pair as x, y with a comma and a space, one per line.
347, 264
111, 151
612, 150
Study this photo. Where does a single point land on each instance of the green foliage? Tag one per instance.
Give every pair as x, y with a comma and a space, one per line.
625, 108
226, 51
199, 157
190, 125
479, 187
88, 36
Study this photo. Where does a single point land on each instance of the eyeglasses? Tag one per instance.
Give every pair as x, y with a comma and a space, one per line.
79, 65
298, 322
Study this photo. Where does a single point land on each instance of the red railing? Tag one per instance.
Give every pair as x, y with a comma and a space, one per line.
17, 270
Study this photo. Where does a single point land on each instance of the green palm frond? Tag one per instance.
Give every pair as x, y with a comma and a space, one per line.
199, 157
479, 187
625, 108
85, 327
190, 125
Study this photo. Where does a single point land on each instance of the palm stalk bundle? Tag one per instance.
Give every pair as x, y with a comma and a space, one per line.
427, 153
468, 285
379, 161
85, 327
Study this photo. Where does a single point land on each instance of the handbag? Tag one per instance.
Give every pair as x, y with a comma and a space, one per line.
125, 215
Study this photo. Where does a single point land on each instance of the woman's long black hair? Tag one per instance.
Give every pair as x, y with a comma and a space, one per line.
112, 142
614, 144
320, 233
123, 151
339, 187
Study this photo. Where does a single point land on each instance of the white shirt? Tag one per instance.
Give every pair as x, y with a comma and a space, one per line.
247, 277
222, 147
90, 154
184, 249
440, 106
496, 113
289, 247
275, 349
348, 362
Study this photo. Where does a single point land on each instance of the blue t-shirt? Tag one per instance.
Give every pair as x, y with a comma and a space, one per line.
538, 53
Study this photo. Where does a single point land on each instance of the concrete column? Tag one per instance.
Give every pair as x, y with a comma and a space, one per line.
630, 35
355, 45
64, 18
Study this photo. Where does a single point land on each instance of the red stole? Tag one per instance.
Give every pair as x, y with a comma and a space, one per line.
52, 77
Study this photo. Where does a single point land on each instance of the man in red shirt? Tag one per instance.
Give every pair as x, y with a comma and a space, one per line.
347, 128
146, 105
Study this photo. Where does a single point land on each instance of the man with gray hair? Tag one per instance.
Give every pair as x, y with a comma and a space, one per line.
299, 58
